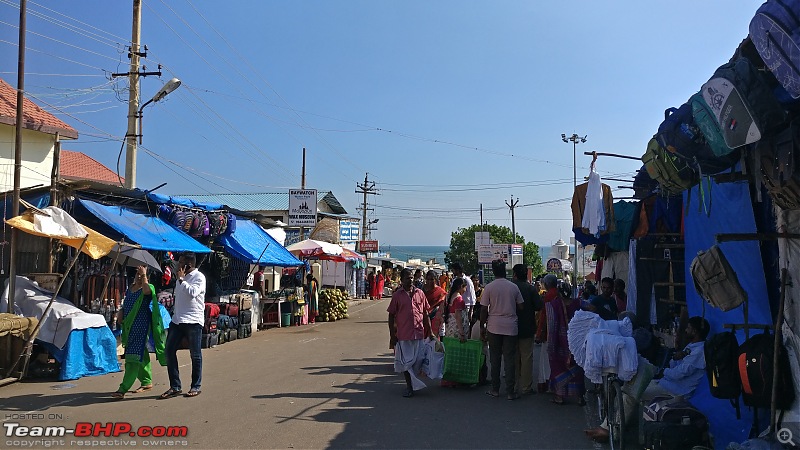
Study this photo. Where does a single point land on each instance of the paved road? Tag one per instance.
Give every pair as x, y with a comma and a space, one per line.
315, 386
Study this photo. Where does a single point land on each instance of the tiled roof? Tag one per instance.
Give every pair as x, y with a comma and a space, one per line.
263, 201
80, 166
34, 117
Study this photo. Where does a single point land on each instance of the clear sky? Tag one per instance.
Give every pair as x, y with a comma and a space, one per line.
447, 105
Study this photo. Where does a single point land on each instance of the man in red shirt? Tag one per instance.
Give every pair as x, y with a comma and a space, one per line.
409, 325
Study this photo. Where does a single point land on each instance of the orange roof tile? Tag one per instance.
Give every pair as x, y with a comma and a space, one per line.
34, 117
80, 166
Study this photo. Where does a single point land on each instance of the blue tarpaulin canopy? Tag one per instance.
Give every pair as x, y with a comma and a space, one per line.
249, 241
144, 229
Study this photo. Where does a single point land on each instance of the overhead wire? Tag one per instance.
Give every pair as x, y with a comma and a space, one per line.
269, 85
285, 170
61, 42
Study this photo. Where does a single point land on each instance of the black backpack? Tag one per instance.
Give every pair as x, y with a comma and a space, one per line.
756, 371
722, 366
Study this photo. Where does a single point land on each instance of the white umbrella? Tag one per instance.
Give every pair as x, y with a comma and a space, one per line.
311, 247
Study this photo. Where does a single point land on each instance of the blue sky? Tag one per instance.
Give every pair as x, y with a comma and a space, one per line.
446, 104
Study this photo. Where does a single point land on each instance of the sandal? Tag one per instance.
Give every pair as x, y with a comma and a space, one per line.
513, 396
192, 393
118, 395
143, 389
170, 393
557, 401
494, 394
408, 393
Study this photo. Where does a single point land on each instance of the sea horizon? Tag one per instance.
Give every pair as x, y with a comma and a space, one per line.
428, 252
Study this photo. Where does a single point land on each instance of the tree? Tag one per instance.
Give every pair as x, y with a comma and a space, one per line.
462, 247
532, 258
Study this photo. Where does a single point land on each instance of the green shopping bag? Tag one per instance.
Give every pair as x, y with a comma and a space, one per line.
462, 361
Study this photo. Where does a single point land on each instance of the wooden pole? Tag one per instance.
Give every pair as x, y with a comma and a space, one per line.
773, 419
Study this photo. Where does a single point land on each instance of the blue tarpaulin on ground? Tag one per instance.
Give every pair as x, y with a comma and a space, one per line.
731, 211
144, 229
249, 241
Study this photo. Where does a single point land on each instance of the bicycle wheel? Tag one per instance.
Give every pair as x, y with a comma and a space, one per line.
616, 416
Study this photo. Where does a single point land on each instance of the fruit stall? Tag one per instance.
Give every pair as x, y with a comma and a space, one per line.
332, 305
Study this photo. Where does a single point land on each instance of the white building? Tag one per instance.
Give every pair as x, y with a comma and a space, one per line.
40, 133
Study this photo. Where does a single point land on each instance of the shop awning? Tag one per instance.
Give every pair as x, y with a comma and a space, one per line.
249, 241
148, 231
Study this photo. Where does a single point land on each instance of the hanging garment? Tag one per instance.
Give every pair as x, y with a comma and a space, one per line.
578, 207
594, 215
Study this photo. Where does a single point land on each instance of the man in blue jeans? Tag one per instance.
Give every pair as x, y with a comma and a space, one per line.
187, 320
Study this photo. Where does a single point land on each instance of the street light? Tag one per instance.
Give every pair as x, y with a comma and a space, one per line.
575, 139
134, 132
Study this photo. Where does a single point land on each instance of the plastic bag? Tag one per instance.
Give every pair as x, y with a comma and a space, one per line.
433, 363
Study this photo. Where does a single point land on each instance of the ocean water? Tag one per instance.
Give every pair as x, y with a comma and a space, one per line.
423, 252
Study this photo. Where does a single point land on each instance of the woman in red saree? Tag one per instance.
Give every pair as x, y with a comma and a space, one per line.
436, 296
566, 377
377, 286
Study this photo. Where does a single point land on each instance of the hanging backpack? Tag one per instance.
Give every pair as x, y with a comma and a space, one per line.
196, 229
678, 133
231, 224
223, 223
722, 366
177, 218
742, 103
775, 31
756, 359
715, 280
187, 226
672, 172
779, 169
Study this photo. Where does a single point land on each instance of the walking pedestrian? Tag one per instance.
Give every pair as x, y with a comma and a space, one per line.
312, 291
550, 283
469, 293
500, 302
527, 328
140, 317
436, 297
187, 321
409, 325
566, 377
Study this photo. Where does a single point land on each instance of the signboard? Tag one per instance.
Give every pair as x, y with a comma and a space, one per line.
482, 238
516, 249
554, 265
368, 246
348, 230
292, 236
302, 207
489, 253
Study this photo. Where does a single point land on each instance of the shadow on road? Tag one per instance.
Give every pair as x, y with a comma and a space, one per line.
375, 415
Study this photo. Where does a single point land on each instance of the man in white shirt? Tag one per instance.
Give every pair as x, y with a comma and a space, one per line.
469, 295
187, 321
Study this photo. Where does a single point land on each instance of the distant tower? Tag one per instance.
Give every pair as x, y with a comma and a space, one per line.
560, 250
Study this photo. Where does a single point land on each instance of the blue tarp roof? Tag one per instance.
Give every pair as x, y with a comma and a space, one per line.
183, 201
248, 243
148, 231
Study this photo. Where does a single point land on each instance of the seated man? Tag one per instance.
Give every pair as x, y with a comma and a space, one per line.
680, 379
604, 304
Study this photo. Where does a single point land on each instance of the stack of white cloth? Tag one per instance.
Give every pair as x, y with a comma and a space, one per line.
600, 346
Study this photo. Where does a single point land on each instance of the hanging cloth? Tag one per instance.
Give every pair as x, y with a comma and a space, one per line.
594, 215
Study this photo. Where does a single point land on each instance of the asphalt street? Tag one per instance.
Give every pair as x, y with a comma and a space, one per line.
328, 385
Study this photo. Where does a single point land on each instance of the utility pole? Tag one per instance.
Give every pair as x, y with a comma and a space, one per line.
367, 188
303, 186
133, 98
481, 217
511, 206
575, 139
12, 259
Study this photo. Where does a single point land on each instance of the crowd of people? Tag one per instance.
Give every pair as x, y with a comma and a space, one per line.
514, 317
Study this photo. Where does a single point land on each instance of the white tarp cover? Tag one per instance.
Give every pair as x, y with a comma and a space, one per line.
30, 301
58, 224
789, 250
